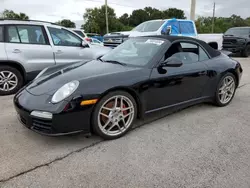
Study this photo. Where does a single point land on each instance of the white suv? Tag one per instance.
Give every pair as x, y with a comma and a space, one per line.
27, 47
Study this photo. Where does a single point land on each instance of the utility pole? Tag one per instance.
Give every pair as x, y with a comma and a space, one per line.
192, 10
106, 14
213, 18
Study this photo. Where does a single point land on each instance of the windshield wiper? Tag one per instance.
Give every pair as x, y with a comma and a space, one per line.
115, 62
100, 59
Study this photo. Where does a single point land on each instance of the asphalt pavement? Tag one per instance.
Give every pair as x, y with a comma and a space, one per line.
202, 146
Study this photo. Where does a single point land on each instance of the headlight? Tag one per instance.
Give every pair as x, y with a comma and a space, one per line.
65, 91
41, 73
241, 40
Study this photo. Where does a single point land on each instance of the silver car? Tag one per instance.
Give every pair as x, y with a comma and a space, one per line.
27, 47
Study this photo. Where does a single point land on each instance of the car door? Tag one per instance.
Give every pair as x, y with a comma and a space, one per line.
29, 45
178, 85
67, 46
3, 55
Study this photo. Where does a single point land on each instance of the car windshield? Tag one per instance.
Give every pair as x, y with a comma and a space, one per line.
238, 32
79, 33
135, 52
149, 26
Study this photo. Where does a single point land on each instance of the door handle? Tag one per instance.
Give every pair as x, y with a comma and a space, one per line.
59, 52
16, 51
202, 73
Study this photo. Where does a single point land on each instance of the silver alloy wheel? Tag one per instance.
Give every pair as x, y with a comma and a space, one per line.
227, 89
8, 81
116, 115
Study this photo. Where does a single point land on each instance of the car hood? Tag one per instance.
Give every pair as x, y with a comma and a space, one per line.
138, 34
130, 34
234, 37
55, 77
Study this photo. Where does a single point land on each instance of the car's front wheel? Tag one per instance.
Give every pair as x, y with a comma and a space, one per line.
114, 115
225, 90
11, 80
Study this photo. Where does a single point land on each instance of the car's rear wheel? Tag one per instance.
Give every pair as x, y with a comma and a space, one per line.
246, 51
225, 90
11, 80
114, 115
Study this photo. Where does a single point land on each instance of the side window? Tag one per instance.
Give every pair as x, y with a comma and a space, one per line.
186, 52
62, 37
31, 34
202, 55
12, 35
174, 27
26, 34
187, 28
1, 34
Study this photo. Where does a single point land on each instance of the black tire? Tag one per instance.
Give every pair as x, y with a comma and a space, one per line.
246, 51
18, 76
217, 101
95, 113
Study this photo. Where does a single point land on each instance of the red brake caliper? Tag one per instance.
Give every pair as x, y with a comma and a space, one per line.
111, 105
126, 111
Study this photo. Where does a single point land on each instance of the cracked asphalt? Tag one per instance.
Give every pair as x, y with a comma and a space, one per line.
202, 146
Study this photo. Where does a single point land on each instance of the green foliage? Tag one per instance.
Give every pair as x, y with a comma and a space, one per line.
221, 24
96, 22
10, 14
95, 18
148, 13
66, 23
174, 13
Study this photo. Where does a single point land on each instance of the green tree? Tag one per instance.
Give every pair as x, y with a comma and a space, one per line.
66, 23
221, 24
124, 19
153, 13
10, 14
248, 21
138, 16
95, 20
237, 21
174, 13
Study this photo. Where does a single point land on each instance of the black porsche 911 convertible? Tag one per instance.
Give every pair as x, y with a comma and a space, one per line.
140, 76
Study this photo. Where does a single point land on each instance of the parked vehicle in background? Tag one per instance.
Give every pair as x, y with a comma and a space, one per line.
96, 42
178, 27
95, 35
82, 34
27, 47
91, 38
237, 39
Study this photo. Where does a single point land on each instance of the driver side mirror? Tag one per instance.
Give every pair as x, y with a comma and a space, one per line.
168, 30
84, 44
172, 62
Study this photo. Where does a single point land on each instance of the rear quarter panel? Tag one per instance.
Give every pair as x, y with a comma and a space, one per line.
217, 67
3, 55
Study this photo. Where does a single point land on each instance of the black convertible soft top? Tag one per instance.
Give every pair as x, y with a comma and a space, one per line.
212, 52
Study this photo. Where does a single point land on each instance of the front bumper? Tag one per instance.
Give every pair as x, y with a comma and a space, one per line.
233, 48
61, 123
114, 41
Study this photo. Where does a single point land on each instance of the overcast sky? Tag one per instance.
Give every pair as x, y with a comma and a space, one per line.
54, 10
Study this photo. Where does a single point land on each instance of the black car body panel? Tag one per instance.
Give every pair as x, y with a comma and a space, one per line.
152, 89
